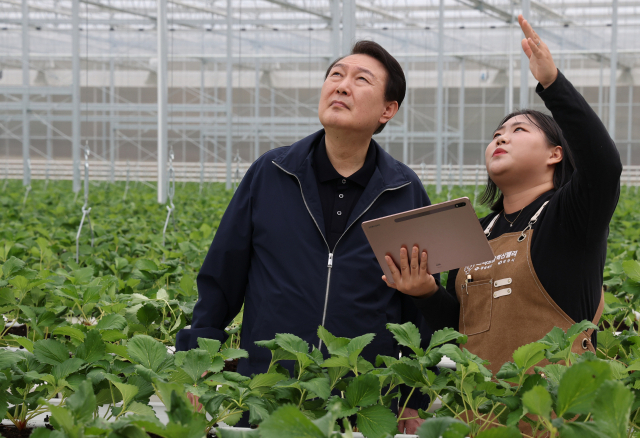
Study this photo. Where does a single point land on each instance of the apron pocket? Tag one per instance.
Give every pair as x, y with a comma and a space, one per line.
476, 307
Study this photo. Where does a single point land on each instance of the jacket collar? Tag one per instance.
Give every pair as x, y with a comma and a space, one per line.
298, 161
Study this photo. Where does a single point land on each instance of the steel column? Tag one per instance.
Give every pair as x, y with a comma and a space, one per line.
614, 70
348, 25
524, 65
112, 139
335, 29
256, 114
439, 119
26, 178
229, 94
162, 101
461, 122
75, 87
629, 124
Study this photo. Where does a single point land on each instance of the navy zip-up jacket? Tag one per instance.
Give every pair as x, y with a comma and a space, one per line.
270, 252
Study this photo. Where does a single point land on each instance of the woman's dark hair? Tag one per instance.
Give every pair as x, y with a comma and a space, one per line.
553, 134
396, 85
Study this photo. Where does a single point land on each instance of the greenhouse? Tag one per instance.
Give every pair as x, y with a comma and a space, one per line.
129, 128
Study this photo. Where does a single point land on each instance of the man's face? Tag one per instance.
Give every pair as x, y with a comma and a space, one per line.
352, 96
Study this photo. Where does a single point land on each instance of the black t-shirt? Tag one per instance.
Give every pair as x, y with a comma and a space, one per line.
339, 194
569, 243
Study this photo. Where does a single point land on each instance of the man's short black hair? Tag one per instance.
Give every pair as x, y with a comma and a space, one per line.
396, 86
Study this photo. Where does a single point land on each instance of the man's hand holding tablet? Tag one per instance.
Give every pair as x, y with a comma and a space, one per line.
413, 278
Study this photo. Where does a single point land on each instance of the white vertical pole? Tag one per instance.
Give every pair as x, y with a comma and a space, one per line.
510, 72
405, 123
629, 124
524, 65
162, 101
75, 84
202, 154
335, 28
26, 177
439, 120
256, 114
461, 123
229, 94
601, 91
112, 139
348, 25
614, 70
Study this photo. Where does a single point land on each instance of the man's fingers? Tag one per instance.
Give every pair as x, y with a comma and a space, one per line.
526, 27
414, 259
401, 426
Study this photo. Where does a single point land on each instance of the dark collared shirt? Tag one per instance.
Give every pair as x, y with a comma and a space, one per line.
339, 194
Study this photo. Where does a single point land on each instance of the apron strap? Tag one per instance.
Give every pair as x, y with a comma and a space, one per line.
532, 221
487, 230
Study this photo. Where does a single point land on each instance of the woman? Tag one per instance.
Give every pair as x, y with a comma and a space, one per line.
548, 228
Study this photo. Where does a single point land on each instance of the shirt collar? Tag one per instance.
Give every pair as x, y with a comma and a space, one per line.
326, 172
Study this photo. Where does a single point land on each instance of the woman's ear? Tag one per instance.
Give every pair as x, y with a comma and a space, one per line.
556, 154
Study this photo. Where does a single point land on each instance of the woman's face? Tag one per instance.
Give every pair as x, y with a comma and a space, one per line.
519, 154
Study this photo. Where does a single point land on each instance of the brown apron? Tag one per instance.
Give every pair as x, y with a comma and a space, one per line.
504, 306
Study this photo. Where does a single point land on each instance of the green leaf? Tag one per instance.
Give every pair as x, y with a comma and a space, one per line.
212, 346
578, 387
500, 432
289, 422
376, 421
148, 352
26, 343
612, 407
257, 409
141, 409
11, 266
336, 362
92, 349
82, 402
147, 314
145, 265
127, 391
112, 321
234, 353
291, 343
319, 386
50, 351
409, 374
9, 358
446, 335
529, 355
356, 345
579, 327
537, 401
335, 345
195, 363
407, 334
363, 390
72, 332
454, 353
443, 427
82, 276
580, 430
630, 267
265, 380
67, 367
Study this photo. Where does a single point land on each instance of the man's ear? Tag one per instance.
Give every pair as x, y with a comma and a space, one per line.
556, 155
390, 110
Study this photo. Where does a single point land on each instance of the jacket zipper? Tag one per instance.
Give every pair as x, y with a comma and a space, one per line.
330, 262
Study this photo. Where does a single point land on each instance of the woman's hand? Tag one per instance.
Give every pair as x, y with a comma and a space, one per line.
413, 278
540, 61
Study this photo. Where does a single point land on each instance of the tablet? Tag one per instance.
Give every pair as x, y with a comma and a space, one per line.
449, 231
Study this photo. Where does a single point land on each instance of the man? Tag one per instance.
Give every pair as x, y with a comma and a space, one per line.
290, 246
